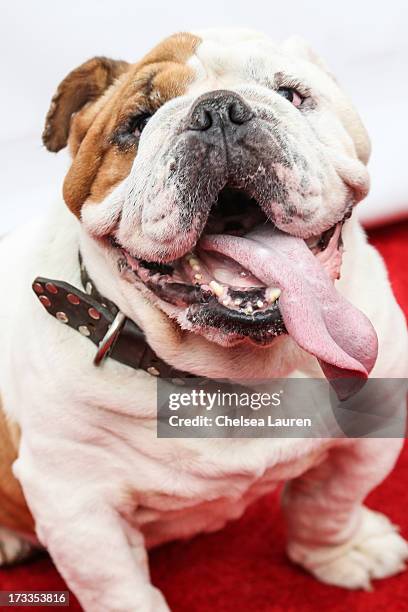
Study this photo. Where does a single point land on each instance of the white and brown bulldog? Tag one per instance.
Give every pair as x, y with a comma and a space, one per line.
210, 196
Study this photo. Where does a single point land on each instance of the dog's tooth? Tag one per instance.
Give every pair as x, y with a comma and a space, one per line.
249, 309
272, 295
216, 288
193, 262
237, 301
196, 268
260, 304
226, 301
198, 276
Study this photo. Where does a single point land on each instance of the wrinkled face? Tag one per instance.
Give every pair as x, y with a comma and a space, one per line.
194, 166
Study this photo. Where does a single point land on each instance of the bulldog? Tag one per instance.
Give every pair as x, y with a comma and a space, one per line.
210, 197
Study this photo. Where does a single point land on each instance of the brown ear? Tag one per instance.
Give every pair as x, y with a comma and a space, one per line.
85, 83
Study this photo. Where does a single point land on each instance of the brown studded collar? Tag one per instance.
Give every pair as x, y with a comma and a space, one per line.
100, 320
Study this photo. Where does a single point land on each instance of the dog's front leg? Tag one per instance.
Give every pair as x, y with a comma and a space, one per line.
330, 532
104, 571
87, 540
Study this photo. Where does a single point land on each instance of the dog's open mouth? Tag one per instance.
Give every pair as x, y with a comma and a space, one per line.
216, 289
247, 280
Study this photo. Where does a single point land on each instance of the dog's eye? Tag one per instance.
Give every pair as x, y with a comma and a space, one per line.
292, 95
139, 123
127, 135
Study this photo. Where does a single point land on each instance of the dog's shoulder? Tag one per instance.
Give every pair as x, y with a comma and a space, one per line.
45, 246
365, 283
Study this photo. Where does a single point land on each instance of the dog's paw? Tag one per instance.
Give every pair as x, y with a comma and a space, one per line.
13, 548
376, 551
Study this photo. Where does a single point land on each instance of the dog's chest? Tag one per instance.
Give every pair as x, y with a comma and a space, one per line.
203, 484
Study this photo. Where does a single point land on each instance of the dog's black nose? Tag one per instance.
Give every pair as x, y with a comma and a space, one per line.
219, 108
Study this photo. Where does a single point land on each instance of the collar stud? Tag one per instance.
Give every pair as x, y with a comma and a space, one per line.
61, 316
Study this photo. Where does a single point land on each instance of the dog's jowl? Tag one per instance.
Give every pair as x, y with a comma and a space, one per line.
207, 230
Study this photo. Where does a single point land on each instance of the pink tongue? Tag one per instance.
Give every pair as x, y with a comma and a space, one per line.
321, 321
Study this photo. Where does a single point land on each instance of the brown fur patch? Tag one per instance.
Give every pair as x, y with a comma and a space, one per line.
14, 513
85, 83
97, 98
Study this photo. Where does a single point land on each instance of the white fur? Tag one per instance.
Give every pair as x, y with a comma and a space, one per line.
375, 551
12, 548
100, 484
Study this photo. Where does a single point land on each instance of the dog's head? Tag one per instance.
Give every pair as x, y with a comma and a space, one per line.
216, 173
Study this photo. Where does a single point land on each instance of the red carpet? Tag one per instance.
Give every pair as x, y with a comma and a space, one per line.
244, 568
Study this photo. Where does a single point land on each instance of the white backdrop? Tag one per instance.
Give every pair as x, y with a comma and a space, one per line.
364, 42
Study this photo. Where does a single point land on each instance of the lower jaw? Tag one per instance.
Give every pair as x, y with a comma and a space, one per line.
235, 327
220, 329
